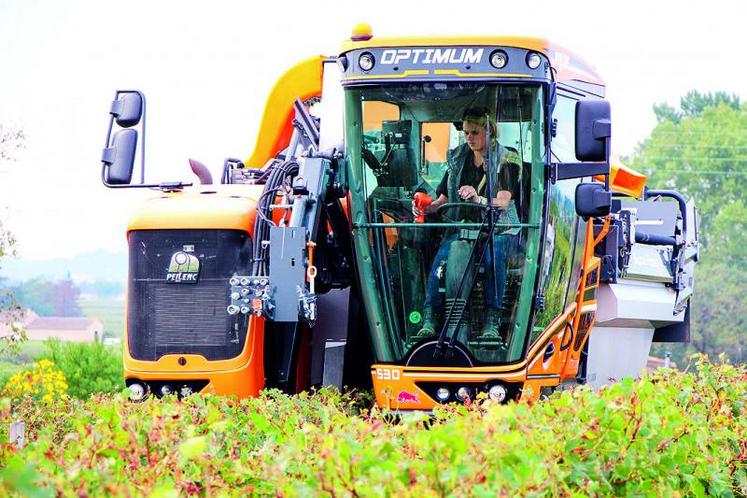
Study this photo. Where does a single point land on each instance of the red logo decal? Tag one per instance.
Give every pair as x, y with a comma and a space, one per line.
405, 397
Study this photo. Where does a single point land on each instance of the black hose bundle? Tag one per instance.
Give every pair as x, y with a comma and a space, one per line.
276, 177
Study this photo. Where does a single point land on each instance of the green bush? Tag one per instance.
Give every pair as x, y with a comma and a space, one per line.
671, 434
89, 367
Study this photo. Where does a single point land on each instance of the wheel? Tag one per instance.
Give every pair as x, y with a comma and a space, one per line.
452, 205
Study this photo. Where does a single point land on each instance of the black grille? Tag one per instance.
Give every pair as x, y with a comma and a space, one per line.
185, 318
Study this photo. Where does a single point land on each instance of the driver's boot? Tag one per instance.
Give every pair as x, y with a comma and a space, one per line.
430, 322
491, 324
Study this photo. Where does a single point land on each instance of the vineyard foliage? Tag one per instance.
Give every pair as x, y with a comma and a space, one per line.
670, 434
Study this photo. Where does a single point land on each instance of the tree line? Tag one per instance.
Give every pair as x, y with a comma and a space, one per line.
700, 149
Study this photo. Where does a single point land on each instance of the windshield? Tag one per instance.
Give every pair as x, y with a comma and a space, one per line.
446, 181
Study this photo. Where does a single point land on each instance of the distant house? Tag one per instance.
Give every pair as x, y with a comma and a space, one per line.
65, 329
39, 328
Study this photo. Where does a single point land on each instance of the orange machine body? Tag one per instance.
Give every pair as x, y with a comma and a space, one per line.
204, 207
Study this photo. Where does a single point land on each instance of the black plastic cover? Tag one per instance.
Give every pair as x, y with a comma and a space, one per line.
592, 130
120, 157
186, 316
128, 109
592, 200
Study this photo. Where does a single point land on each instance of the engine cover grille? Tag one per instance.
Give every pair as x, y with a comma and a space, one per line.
184, 312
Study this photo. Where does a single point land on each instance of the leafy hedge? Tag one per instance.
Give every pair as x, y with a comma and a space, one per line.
89, 367
671, 434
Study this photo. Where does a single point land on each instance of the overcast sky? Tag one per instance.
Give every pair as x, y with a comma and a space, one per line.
207, 67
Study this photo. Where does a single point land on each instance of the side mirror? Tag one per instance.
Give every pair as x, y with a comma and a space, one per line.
119, 159
593, 134
592, 200
127, 109
593, 130
126, 115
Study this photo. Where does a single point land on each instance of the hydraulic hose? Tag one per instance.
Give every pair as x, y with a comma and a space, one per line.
654, 240
275, 178
676, 196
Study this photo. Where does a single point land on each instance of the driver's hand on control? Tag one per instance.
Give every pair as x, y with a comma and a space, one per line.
467, 192
429, 209
417, 212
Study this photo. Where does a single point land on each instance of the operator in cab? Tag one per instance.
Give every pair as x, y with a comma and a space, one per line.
465, 180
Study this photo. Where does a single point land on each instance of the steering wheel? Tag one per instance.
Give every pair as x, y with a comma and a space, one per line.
452, 205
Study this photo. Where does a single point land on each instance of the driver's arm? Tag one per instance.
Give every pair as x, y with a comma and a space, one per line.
430, 208
501, 200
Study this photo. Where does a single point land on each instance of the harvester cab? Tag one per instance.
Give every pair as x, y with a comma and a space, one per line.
461, 233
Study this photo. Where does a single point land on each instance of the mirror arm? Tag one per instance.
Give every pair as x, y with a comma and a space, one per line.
606, 127
565, 171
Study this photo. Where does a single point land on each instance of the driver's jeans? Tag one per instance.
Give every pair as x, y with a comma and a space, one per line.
493, 293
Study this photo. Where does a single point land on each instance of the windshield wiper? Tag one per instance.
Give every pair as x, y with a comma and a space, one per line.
490, 218
471, 271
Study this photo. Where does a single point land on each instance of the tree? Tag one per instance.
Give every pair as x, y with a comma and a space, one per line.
65, 298
701, 151
693, 104
36, 294
10, 312
47, 298
11, 140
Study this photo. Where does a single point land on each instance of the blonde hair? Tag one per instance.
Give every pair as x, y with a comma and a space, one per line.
481, 117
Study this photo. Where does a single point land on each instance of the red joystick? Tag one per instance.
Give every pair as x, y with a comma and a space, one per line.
421, 201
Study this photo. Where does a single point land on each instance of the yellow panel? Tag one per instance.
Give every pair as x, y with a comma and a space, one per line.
569, 65
376, 112
209, 207
435, 150
304, 81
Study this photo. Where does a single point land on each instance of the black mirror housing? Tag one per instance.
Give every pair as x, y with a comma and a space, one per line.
593, 130
127, 109
592, 200
119, 159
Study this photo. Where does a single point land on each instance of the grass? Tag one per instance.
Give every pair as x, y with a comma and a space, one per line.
109, 311
7, 369
30, 352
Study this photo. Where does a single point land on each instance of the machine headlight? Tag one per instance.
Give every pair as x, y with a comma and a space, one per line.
166, 390
464, 393
533, 60
137, 392
497, 393
442, 394
366, 61
185, 391
498, 59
